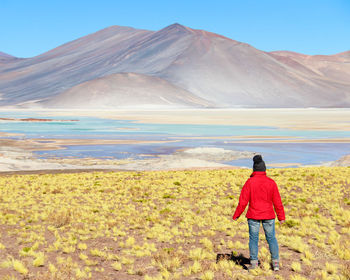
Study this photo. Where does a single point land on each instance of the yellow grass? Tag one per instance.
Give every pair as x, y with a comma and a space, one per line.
168, 225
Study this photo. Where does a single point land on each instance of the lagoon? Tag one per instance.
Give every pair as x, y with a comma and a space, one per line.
278, 145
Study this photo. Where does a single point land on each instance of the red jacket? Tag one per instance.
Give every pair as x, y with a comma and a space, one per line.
262, 194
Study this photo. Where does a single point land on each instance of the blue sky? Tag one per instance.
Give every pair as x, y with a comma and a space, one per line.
31, 27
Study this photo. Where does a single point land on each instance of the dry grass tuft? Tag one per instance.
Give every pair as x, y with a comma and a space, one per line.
345, 271
60, 218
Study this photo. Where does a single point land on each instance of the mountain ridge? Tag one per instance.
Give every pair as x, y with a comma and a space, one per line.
221, 71
6, 56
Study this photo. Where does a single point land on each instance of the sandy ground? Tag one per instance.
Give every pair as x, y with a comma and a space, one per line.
19, 159
6, 134
17, 155
16, 158
331, 140
55, 144
301, 119
343, 161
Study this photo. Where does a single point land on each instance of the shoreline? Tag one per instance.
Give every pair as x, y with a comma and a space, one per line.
18, 154
91, 170
19, 161
73, 171
288, 118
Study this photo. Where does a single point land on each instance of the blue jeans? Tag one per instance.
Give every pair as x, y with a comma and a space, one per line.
269, 228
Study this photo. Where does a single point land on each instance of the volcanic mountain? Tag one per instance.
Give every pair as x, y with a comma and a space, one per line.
174, 67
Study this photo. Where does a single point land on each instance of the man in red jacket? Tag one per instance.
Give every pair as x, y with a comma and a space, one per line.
263, 196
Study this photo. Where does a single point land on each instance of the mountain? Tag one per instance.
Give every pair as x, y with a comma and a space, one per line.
5, 57
125, 90
175, 66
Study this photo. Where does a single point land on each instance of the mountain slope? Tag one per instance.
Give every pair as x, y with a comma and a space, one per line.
78, 61
6, 57
219, 71
125, 90
329, 67
236, 74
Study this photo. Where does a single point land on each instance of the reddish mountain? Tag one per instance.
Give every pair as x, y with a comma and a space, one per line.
194, 67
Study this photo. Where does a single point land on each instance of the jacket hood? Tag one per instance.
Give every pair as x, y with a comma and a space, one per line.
258, 173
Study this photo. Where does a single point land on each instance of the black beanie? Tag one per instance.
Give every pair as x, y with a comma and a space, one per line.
259, 164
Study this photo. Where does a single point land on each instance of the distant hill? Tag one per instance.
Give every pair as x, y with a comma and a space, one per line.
175, 66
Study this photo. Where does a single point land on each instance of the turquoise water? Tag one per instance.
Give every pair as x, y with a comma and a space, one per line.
88, 127
98, 128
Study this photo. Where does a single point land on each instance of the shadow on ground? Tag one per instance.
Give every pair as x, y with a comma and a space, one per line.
239, 260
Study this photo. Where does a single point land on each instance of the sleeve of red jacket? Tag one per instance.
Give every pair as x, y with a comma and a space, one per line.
277, 204
243, 200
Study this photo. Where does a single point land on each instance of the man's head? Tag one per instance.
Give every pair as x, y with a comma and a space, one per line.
259, 164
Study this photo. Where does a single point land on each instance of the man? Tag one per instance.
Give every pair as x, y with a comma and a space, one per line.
262, 194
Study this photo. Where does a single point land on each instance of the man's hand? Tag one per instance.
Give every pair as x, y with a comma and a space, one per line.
282, 222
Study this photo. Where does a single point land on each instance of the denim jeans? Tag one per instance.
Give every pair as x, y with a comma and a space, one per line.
269, 228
